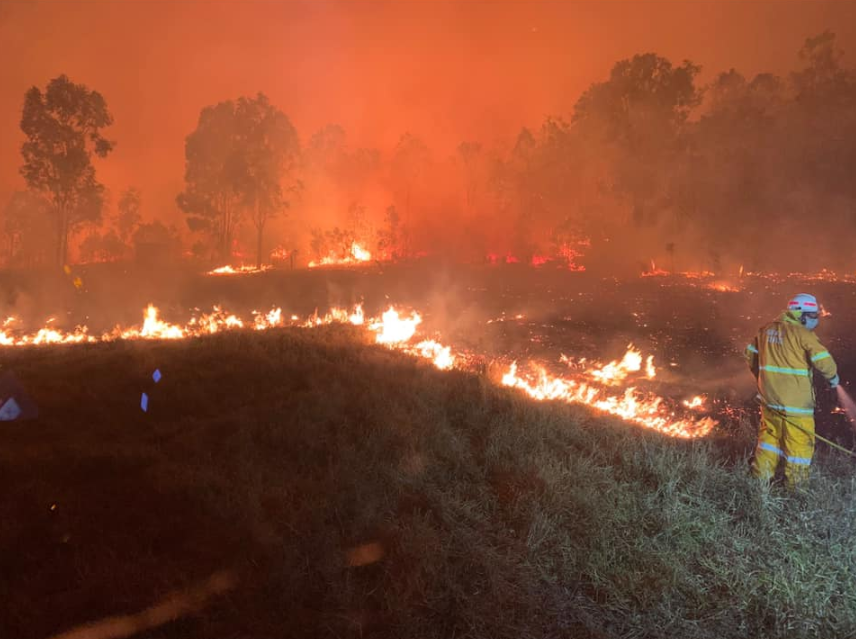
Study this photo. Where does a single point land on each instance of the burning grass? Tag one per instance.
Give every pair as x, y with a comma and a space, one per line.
355, 254
239, 270
353, 491
396, 331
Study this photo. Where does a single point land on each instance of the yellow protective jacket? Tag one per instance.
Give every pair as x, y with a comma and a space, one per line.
781, 357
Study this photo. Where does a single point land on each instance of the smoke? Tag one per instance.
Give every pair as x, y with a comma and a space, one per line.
847, 404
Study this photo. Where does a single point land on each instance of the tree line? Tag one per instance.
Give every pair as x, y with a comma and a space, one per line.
649, 163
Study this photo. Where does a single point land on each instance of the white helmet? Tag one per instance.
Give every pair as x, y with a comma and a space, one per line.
804, 303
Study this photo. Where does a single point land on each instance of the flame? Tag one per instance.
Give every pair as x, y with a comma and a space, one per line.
724, 287
359, 253
239, 270
708, 278
215, 322
654, 272
508, 258
647, 411
690, 275
571, 254
45, 336
436, 352
336, 315
696, 403
356, 255
153, 328
392, 329
281, 254
271, 319
566, 253
616, 372
590, 385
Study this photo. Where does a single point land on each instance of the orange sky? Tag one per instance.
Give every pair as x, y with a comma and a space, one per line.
447, 71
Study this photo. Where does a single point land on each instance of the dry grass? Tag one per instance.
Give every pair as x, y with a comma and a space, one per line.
355, 492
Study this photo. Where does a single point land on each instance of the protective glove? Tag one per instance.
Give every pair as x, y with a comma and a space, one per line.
833, 383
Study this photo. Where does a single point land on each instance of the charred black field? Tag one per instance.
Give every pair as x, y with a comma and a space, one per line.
309, 482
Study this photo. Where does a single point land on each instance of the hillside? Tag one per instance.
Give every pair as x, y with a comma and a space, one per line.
334, 488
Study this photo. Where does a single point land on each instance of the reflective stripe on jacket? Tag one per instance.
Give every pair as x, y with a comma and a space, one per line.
781, 357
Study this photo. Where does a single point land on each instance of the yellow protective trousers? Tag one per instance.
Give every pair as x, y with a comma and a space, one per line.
784, 437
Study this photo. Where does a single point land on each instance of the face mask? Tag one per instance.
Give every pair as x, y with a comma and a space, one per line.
811, 324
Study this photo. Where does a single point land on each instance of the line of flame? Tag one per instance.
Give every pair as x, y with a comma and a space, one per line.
396, 331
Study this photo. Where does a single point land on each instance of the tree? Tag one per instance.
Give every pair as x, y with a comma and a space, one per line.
130, 205
336, 243
236, 161
268, 148
822, 76
389, 237
640, 111
26, 225
63, 129
357, 222
326, 148
734, 161
153, 240
409, 163
213, 199
470, 152
102, 248
823, 118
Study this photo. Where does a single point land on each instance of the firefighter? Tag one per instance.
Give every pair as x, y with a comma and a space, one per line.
781, 357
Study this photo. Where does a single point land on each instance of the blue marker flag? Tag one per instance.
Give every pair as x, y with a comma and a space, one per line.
14, 402
157, 375
144, 403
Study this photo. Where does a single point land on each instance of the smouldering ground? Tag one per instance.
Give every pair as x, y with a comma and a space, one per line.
349, 490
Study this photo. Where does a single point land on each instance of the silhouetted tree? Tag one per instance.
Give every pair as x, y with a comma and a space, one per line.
268, 149
640, 110
470, 153
106, 247
27, 227
326, 148
213, 198
236, 161
154, 239
409, 163
389, 236
823, 119
129, 215
63, 129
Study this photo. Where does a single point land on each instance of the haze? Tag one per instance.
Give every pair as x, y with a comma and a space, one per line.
444, 71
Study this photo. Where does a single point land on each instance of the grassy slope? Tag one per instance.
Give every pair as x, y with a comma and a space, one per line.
271, 455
